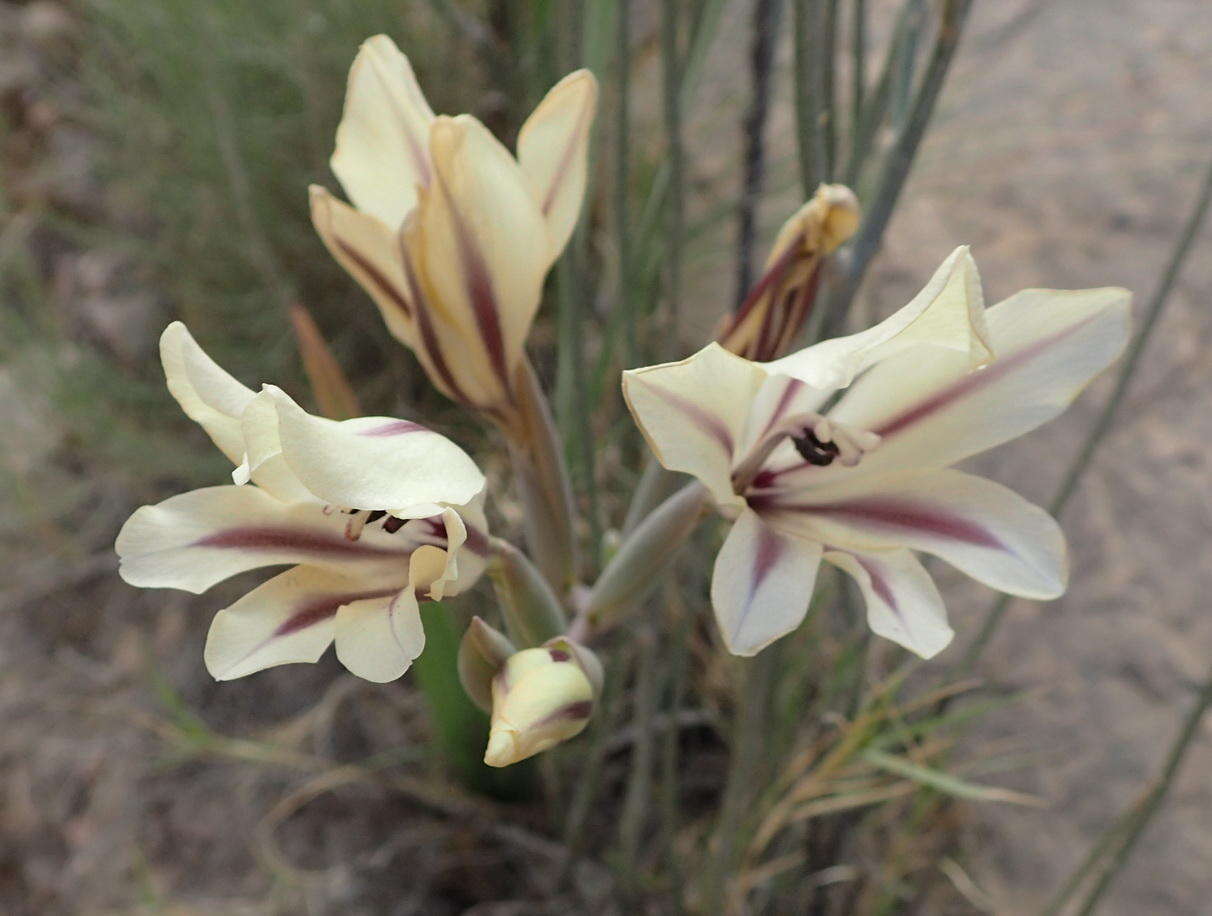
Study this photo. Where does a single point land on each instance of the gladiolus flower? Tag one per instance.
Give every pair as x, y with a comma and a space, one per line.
371, 513
449, 233
865, 482
766, 323
540, 697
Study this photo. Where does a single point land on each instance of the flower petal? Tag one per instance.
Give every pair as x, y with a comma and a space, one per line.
947, 313
903, 603
382, 151
263, 462
931, 411
376, 462
693, 413
287, 619
984, 529
762, 584
481, 245
206, 392
378, 638
195, 539
370, 252
553, 150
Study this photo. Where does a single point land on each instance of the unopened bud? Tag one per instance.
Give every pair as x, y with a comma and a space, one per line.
778, 305
482, 653
644, 555
540, 698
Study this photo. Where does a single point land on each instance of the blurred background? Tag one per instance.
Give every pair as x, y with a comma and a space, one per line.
154, 159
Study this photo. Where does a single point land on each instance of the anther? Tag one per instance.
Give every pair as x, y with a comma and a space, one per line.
813, 450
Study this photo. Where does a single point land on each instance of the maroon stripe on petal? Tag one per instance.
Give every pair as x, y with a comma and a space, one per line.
880, 585
394, 428
905, 515
429, 339
321, 607
973, 381
479, 290
566, 158
375, 276
293, 540
703, 419
769, 547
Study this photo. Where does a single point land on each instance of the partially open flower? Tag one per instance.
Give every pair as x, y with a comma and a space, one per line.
370, 513
541, 697
449, 233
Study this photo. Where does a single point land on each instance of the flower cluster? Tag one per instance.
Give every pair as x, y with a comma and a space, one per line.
839, 453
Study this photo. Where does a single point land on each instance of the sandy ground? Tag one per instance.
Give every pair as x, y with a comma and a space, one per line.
1068, 156
1068, 146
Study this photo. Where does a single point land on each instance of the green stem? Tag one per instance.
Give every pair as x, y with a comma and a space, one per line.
858, 67
460, 729
807, 130
900, 158
622, 179
541, 475
672, 82
1103, 424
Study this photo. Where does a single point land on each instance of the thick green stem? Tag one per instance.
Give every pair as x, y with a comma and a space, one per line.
541, 474
460, 729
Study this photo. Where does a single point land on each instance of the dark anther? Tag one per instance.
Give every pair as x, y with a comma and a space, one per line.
375, 516
813, 450
393, 524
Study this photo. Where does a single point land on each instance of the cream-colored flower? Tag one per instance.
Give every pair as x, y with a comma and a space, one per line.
449, 233
774, 311
862, 480
370, 513
541, 697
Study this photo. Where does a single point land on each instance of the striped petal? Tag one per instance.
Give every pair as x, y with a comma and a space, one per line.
931, 411
378, 638
947, 313
382, 142
984, 529
370, 251
762, 584
193, 540
480, 248
376, 462
903, 603
553, 148
288, 619
206, 392
693, 413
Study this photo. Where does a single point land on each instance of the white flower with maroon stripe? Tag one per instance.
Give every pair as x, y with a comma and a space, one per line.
449, 233
860, 477
371, 513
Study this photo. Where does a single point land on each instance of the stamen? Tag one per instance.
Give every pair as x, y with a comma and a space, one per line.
813, 450
357, 521
393, 524
825, 442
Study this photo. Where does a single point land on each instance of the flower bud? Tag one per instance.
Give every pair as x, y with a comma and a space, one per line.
483, 652
539, 698
643, 557
774, 312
